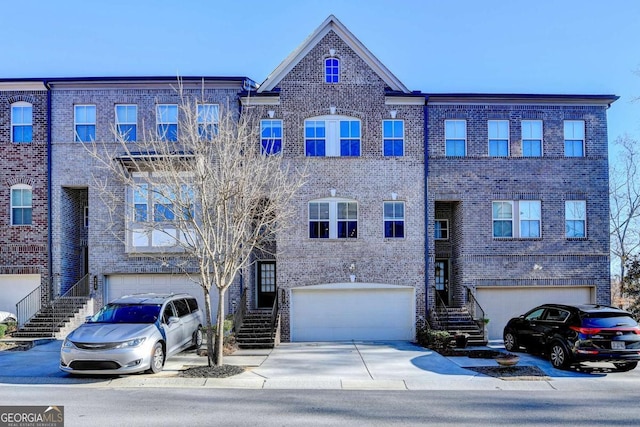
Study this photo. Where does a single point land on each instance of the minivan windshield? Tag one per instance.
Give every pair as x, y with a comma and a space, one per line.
127, 313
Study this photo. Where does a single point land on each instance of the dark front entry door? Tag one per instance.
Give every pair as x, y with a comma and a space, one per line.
442, 280
266, 283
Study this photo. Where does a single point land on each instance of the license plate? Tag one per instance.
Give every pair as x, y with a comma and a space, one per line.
617, 345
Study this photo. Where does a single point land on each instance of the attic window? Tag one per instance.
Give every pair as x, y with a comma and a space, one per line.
332, 70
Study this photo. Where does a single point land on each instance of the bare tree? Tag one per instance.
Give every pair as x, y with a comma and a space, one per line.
217, 197
624, 193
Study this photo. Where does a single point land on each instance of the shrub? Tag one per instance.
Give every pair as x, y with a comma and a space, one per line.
3, 328
433, 339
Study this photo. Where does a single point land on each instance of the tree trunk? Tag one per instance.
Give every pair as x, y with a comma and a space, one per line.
219, 348
207, 321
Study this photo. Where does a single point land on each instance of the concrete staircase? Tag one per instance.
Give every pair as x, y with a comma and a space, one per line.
460, 320
256, 330
57, 318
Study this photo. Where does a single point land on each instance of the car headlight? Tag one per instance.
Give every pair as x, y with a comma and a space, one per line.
67, 344
131, 343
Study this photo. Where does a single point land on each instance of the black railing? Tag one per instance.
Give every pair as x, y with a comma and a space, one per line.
440, 314
274, 317
475, 309
240, 313
28, 306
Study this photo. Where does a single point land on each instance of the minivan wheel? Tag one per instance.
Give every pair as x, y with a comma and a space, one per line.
624, 367
510, 341
196, 340
157, 358
558, 355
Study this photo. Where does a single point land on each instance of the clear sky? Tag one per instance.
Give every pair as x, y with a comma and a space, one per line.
506, 46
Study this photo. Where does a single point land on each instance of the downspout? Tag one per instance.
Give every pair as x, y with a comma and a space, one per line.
49, 183
426, 208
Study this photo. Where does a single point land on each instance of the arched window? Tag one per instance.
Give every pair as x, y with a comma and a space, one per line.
21, 204
332, 70
21, 122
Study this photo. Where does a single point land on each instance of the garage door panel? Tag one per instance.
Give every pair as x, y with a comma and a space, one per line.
127, 284
347, 314
14, 287
502, 303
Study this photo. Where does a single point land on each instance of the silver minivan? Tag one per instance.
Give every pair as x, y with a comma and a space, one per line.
134, 333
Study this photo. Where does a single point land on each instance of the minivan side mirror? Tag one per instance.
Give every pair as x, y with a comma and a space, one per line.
173, 319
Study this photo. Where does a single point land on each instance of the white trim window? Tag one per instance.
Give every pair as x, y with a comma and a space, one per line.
441, 229
393, 137
21, 204
208, 120
574, 138
127, 122
531, 138
575, 213
84, 118
333, 219
498, 138
153, 217
393, 220
167, 122
332, 136
271, 136
522, 218
332, 70
455, 135
21, 122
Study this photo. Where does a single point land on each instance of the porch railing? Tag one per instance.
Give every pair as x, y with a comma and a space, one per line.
28, 306
476, 311
79, 290
241, 311
274, 317
440, 314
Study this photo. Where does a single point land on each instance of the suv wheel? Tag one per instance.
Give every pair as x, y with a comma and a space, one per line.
157, 358
196, 340
511, 341
559, 355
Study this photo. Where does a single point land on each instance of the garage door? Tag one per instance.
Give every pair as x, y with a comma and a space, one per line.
342, 312
126, 284
14, 287
502, 303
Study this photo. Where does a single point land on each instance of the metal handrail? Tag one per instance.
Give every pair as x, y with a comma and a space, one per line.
274, 316
79, 290
476, 310
28, 306
443, 323
238, 316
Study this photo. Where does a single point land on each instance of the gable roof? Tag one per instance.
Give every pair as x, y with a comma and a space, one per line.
332, 24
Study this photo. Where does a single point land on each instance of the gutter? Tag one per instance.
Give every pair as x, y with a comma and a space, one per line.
49, 192
426, 209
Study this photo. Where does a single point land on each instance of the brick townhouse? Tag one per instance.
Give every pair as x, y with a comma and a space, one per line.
415, 202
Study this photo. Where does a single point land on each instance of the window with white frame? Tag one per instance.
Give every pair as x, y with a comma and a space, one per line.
522, 218
85, 123
154, 215
127, 122
575, 212
208, 119
21, 204
393, 137
531, 138
574, 138
332, 136
21, 122
530, 218
393, 219
167, 122
455, 135
271, 136
332, 70
333, 219
498, 138
441, 229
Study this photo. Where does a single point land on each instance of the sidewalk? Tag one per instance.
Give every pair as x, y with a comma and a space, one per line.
330, 366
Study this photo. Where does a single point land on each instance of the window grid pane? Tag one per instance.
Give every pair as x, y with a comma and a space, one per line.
315, 142
167, 122
394, 219
127, 121
85, 123
271, 136
575, 219
393, 137
332, 70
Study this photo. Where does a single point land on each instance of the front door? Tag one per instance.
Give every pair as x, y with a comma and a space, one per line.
442, 280
266, 283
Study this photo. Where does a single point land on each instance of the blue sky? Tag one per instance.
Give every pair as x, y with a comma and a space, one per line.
507, 46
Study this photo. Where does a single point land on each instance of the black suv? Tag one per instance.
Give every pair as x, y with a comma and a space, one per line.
570, 334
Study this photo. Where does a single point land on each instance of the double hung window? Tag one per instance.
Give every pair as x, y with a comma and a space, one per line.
85, 123
393, 219
127, 122
21, 204
271, 136
531, 138
333, 219
455, 134
208, 119
21, 122
393, 137
498, 138
522, 218
167, 122
574, 138
575, 218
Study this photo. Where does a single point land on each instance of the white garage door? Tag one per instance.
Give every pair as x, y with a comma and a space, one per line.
14, 287
352, 311
126, 284
502, 303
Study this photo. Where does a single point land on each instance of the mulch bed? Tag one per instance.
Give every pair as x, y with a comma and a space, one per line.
223, 371
512, 373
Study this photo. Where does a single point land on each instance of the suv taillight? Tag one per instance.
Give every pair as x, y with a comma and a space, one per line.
585, 331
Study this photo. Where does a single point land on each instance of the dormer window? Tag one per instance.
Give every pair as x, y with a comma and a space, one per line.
332, 70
